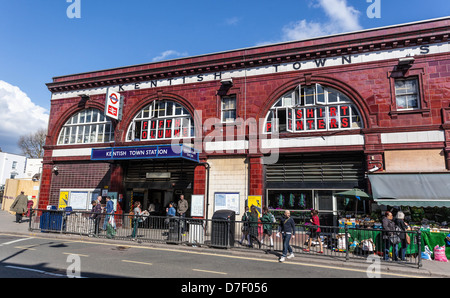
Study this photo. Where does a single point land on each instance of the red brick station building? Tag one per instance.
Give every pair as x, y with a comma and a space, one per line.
285, 126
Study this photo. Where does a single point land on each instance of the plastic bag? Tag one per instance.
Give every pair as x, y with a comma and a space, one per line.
426, 255
439, 254
368, 245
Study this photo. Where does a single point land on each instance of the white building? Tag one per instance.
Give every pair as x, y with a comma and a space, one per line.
12, 166
33, 168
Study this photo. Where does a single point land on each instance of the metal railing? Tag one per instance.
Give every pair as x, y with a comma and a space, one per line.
332, 241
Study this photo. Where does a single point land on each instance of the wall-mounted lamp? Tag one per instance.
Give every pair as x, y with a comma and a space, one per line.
227, 82
406, 62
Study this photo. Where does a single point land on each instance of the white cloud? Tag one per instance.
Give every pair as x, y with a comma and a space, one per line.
169, 54
232, 21
340, 18
20, 116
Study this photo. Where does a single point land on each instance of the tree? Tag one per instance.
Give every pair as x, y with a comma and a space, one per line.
32, 145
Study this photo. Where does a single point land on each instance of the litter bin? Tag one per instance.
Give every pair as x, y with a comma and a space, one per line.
51, 221
174, 231
196, 232
223, 228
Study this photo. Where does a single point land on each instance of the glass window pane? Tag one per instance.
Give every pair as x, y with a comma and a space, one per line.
93, 134
94, 116
309, 95
100, 135
86, 134
89, 116
325, 199
82, 116
320, 94
332, 96
401, 102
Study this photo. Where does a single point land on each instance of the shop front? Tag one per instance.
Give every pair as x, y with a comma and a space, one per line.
301, 182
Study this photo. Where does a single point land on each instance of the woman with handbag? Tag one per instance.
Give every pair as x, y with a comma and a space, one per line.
404, 237
315, 231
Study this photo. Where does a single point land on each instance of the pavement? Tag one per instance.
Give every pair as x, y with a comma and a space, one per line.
432, 269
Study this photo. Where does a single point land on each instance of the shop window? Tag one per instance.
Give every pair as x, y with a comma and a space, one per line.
291, 200
407, 94
312, 108
161, 120
87, 127
228, 108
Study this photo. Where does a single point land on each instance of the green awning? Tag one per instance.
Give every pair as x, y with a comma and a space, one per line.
411, 189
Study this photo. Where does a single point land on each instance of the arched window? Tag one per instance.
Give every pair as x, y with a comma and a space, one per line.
312, 108
87, 127
161, 120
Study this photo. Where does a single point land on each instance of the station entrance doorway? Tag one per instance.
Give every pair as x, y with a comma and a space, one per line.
156, 183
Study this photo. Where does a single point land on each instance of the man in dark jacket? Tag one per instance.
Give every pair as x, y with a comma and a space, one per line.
95, 215
20, 206
388, 231
287, 229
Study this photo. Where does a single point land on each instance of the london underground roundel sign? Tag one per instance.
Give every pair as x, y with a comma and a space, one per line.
113, 105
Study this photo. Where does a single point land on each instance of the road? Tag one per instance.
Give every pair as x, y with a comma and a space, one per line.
41, 257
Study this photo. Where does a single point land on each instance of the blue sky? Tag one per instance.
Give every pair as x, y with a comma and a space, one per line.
39, 40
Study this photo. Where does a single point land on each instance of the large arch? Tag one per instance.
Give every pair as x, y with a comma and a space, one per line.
340, 86
187, 112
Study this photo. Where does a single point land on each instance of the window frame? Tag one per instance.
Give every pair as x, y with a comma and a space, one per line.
157, 121
417, 93
325, 118
76, 131
222, 110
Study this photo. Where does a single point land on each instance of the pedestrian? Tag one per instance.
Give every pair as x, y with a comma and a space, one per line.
245, 234
268, 220
170, 211
182, 207
137, 218
404, 237
19, 206
253, 226
95, 215
109, 222
315, 231
109, 211
30, 204
389, 236
287, 229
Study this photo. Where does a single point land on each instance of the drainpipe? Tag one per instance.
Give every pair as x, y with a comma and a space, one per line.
208, 167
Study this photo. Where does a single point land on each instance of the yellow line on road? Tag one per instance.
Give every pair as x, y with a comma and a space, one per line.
24, 247
136, 262
213, 272
71, 253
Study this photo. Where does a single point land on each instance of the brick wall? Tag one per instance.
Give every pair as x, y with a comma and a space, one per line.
77, 175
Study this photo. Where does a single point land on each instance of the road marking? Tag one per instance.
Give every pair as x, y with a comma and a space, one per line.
69, 253
37, 271
214, 272
26, 247
233, 257
136, 262
15, 241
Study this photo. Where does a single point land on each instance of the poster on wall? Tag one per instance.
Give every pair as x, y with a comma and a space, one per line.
197, 205
63, 199
78, 200
257, 202
226, 201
